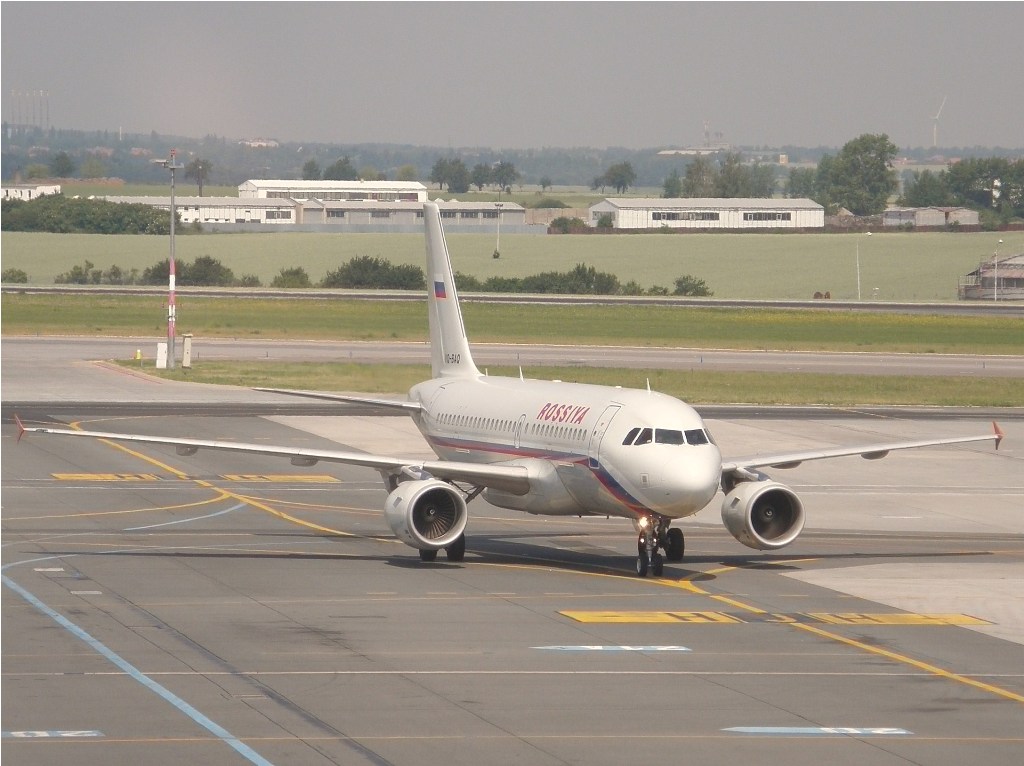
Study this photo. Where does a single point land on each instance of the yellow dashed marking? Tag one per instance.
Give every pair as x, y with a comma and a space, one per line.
105, 477
852, 618
720, 618
281, 477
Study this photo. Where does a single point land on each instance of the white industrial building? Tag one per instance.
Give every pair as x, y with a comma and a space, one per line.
29, 191
235, 213
709, 213
930, 216
212, 210
379, 191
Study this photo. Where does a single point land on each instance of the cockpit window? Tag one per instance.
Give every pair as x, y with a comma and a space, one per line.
630, 436
696, 436
669, 436
645, 436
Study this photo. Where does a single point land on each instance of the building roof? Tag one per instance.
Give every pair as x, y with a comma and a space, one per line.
713, 203
205, 201
268, 183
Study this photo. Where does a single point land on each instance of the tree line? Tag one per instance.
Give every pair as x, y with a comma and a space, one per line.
365, 273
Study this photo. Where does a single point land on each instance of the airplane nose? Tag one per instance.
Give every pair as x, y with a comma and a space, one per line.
691, 479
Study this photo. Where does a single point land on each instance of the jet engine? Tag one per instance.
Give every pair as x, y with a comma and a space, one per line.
763, 515
427, 514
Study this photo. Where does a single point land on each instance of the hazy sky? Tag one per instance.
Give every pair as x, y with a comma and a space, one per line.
519, 75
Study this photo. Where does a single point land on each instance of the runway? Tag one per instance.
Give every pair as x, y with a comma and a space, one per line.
234, 609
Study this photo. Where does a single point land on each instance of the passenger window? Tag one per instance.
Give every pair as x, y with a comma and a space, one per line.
668, 436
696, 436
645, 437
630, 436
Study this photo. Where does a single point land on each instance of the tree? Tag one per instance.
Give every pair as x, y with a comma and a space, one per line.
453, 173
673, 188
620, 176
733, 178
481, 175
862, 175
198, 170
341, 170
504, 174
700, 179
801, 183
545, 183
926, 189
62, 166
206, 271
407, 172
311, 171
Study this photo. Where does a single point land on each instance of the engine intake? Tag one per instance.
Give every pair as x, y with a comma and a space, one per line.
428, 514
763, 515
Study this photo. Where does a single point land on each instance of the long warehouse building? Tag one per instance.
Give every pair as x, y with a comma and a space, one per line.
708, 213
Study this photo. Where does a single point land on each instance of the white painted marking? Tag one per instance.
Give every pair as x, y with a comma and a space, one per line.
44, 734
48, 569
614, 648
817, 731
86, 593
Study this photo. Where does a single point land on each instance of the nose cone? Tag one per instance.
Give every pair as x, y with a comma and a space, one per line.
690, 479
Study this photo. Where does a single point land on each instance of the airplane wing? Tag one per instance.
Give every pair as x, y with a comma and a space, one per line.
745, 468
406, 406
509, 478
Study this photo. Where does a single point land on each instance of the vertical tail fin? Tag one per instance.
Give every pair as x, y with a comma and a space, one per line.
449, 346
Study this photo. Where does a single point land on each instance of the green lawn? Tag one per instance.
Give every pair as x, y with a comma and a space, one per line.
667, 326
902, 266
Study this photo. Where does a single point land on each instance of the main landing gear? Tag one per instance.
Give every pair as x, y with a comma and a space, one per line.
455, 552
655, 534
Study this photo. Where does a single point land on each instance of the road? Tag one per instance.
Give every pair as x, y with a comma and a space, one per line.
224, 608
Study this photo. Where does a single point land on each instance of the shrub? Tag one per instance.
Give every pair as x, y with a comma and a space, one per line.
14, 276
690, 285
367, 272
294, 277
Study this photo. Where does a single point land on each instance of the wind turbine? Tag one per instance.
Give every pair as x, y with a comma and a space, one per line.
935, 124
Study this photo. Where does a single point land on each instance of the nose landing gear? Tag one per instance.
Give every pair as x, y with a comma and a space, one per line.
655, 534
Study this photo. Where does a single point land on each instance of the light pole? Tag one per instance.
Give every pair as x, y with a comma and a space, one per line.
171, 165
995, 272
858, 265
497, 244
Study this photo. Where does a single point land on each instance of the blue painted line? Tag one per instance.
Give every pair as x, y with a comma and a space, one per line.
818, 731
185, 521
585, 648
168, 696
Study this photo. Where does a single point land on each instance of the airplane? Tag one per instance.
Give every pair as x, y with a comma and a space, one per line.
552, 448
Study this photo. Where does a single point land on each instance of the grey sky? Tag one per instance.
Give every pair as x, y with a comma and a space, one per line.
521, 75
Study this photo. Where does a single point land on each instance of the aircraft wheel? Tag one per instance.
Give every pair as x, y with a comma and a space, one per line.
642, 564
657, 565
676, 545
457, 550
428, 555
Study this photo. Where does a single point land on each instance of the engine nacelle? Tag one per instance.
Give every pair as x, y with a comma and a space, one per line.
763, 515
427, 514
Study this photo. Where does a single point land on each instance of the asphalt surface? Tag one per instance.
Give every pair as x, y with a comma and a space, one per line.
232, 609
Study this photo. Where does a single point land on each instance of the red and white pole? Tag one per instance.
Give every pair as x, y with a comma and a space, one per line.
171, 310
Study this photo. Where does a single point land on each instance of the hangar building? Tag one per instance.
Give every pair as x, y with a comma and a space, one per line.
379, 191
709, 213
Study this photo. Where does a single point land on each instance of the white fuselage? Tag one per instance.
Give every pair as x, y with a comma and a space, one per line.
591, 449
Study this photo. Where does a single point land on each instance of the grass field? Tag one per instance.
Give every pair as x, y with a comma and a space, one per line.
893, 266
667, 326
694, 387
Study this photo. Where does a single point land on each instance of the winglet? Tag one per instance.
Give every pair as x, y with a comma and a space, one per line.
999, 433
21, 428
